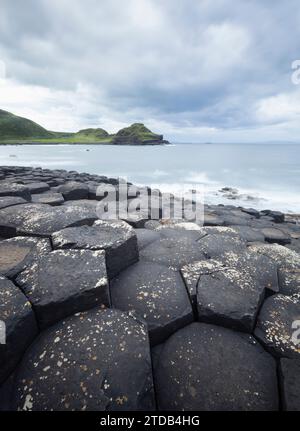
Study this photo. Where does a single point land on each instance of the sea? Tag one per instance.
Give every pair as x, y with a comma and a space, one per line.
262, 176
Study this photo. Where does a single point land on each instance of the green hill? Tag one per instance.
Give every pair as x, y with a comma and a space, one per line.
14, 127
18, 130
137, 134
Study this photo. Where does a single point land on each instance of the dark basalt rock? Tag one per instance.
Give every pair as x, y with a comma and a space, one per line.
208, 368
275, 326
74, 190
117, 238
14, 189
9, 201
289, 371
19, 252
98, 360
191, 274
173, 252
213, 220
251, 211
21, 327
274, 235
38, 187
248, 234
65, 282
146, 237
155, 293
288, 262
49, 198
257, 266
43, 220
229, 298
216, 244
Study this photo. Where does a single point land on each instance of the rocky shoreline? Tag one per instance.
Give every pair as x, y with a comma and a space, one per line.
140, 314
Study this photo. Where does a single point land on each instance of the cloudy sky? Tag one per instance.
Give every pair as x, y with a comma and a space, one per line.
195, 70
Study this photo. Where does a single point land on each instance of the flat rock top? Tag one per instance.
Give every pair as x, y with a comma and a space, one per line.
206, 367
276, 325
98, 360
101, 235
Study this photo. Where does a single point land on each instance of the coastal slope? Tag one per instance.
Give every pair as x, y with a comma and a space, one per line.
19, 130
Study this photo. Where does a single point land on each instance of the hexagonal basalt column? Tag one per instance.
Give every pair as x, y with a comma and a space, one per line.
65, 282
117, 238
19, 252
206, 367
17, 326
157, 294
277, 325
98, 360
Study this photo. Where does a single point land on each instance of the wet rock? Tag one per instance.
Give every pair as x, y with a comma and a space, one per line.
289, 371
65, 282
14, 189
38, 187
117, 238
9, 201
208, 368
288, 262
155, 293
173, 252
21, 327
274, 235
275, 326
96, 361
146, 237
229, 298
17, 253
48, 198
74, 190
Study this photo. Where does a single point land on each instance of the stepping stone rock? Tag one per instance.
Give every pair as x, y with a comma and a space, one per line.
146, 237
48, 198
229, 298
173, 252
251, 211
43, 220
275, 326
215, 245
9, 201
94, 361
257, 266
117, 238
289, 371
65, 282
74, 190
274, 235
156, 294
213, 220
288, 262
17, 253
20, 323
14, 189
38, 187
248, 234
192, 272
208, 368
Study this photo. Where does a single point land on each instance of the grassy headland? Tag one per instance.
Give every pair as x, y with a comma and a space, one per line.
19, 130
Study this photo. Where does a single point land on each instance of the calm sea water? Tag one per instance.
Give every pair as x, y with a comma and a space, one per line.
270, 173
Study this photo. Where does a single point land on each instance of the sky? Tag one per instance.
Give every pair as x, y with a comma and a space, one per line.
194, 70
